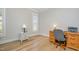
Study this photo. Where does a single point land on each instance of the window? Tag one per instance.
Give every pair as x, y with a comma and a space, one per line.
35, 21
1, 24
2, 21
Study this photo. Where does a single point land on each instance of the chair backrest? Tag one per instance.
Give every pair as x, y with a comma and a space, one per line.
59, 35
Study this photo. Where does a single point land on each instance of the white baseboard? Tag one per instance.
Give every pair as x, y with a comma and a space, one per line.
7, 40
2, 41
10, 40
44, 34
33, 35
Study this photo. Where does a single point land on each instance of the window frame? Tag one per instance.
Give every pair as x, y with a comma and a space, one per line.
1, 23
3, 33
35, 14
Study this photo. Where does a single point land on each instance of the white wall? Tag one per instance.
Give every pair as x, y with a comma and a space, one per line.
15, 18
60, 16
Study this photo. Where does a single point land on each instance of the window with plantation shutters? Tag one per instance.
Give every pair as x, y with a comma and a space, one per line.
2, 22
35, 21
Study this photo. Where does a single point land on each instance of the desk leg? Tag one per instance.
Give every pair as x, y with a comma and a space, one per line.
21, 41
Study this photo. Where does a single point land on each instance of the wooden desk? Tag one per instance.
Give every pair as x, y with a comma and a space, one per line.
51, 37
72, 39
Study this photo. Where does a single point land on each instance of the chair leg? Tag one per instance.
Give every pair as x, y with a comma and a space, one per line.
56, 45
63, 46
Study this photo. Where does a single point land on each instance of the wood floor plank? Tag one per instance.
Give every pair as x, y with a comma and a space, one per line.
35, 43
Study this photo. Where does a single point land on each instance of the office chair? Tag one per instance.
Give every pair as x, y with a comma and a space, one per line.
60, 39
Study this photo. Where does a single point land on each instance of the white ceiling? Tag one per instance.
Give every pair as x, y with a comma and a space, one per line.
39, 9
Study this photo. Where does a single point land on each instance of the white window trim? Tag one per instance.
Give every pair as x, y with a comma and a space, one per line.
35, 13
4, 22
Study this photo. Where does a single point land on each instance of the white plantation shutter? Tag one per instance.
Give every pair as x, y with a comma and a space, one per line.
35, 21
2, 22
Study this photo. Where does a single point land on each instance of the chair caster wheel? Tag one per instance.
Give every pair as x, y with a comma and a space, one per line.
64, 48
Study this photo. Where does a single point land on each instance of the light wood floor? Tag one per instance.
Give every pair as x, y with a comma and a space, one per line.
36, 43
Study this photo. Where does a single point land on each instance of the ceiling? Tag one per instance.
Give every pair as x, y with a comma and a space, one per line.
39, 9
